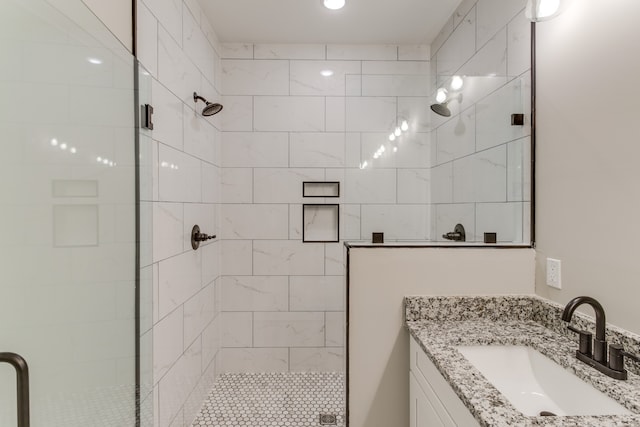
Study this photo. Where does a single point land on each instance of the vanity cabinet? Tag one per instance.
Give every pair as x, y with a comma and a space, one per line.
433, 401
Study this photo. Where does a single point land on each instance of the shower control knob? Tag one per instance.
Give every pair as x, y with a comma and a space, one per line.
197, 237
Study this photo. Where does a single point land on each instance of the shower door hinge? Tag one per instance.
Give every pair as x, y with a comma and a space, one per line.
147, 116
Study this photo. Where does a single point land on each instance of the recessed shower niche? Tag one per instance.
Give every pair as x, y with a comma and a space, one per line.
320, 223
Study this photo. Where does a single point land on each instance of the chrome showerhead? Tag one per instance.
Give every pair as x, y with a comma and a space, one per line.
210, 108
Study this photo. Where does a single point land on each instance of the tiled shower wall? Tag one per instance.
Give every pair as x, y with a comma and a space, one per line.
296, 113
180, 165
481, 173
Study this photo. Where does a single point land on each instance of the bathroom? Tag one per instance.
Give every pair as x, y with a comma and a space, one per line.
72, 307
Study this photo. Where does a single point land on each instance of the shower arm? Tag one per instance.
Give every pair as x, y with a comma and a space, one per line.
22, 380
197, 97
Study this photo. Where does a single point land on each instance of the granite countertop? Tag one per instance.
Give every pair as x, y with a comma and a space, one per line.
439, 324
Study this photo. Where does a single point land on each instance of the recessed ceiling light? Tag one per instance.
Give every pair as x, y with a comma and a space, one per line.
334, 4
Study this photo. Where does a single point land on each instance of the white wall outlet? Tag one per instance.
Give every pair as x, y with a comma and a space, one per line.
554, 276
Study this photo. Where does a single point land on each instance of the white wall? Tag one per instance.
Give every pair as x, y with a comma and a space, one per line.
379, 278
117, 15
285, 123
588, 179
181, 164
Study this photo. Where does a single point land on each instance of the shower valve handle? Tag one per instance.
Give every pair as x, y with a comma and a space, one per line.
197, 237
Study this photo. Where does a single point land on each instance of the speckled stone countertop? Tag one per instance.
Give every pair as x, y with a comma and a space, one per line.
439, 324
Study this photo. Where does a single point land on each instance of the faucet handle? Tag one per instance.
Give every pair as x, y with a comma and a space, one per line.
616, 357
586, 340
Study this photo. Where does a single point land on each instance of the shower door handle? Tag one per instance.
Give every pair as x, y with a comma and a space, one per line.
22, 379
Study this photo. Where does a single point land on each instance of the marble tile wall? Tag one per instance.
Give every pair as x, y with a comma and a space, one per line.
296, 113
181, 174
481, 169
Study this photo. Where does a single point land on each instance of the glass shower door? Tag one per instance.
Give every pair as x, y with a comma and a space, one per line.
67, 215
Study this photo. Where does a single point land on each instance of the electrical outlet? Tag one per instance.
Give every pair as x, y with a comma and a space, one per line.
554, 277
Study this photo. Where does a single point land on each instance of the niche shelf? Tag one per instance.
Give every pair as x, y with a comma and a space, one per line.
320, 223
320, 189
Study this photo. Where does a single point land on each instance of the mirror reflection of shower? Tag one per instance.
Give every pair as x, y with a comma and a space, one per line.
444, 97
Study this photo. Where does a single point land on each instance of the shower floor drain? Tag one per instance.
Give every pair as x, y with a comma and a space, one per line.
328, 420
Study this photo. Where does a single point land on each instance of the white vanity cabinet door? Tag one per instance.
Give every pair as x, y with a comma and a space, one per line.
422, 412
441, 399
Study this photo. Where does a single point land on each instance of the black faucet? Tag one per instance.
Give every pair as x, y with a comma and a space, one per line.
615, 367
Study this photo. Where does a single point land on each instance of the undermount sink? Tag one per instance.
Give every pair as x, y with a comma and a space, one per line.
536, 385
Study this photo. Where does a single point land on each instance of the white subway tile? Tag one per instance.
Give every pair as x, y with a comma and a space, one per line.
210, 261
290, 51
179, 176
397, 222
237, 257
490, 60
237, 185
418, 52
287, 257
295, 222
335, 324
505, 219
518, 45
211, 341
255, 360
417, 112
317, 360
362, 52
198, 314
481, 177
458, 48
335, 114
519, 170
462, 10
317, 293
334, 254
288, 329
147, 34
370, 114
238, 114
353, 150
413, 150
255, 293
457, 137
237, 329
493, 117
323, 78
492, 15
442, 187
168, 234
317, 149
282, 185
414, 186
193, 7
255, 149
295, 114
169, 14
196, 46
353, 85
442, 37
265, 77
418, 68
198, 135
175, 70
237, 51
370, 185
167, 343
254, 221
179, 280
210, 183
396, 85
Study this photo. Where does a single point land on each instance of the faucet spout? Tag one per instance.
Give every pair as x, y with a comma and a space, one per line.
600, 345
600, 316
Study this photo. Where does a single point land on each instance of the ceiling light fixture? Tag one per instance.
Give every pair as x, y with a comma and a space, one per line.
334, 4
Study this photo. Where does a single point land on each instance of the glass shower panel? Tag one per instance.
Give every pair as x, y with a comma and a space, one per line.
67, 206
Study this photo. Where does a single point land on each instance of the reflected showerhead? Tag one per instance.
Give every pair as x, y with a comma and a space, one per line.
210, 109
441, 109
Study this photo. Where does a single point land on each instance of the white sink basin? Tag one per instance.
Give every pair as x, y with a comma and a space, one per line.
534, 383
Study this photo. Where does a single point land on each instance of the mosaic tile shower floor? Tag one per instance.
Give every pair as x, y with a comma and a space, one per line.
293, 399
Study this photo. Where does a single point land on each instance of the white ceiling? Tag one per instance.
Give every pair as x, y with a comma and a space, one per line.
308, 21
